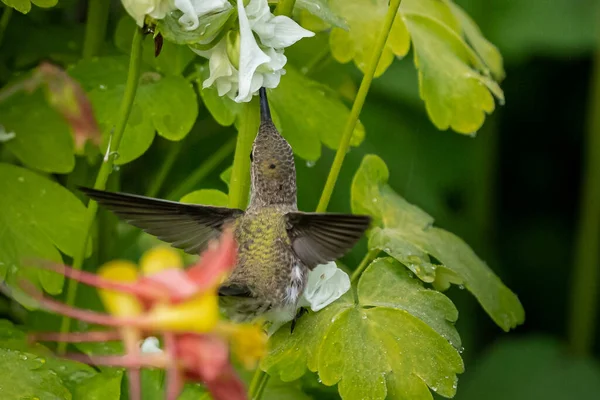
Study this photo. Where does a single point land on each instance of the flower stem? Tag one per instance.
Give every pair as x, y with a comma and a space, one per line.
240, 173
95, 27
203, 170
285, 7
370, 256
106, 167
165, 168
258, 384
359, 101
586, 264
4, 20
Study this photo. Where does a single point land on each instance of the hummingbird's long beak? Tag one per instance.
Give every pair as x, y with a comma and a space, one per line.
265, 111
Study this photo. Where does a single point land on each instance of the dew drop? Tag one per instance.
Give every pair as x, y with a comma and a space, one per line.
311, 163
21, 179
461, 287
102, 87
461, 350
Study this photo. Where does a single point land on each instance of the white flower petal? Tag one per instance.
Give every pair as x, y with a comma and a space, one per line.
192, 9
151, 345
258, 10
218, 64
280, 32
138, 9
271, 80
251, 56
326, 283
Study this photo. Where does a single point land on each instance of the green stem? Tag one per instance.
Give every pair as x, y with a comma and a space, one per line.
106, 168
258, 384
203, 170
584, 287
165, 168
239, 186
95, 28
370, 256
359, 101
8, 11
285, 7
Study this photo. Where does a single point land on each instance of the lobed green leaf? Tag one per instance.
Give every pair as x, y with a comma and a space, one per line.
379, 345
42, 138
163, 104
405, 232
32, 371
39, 217
457, 65
24, 6
309, 113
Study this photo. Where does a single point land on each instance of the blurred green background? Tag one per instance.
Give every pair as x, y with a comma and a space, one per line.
512, 191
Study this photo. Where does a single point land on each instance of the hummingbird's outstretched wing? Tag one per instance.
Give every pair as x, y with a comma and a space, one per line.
318, 238
186, 226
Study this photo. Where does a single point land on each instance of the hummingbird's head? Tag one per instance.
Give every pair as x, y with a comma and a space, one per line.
273, 168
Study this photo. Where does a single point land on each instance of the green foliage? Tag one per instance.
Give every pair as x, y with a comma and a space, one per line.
211, 197
39, 217
24, 6
310, 113
32, 371
440, 33
392, 336
164, 104
373, 345
406, 233
50, 149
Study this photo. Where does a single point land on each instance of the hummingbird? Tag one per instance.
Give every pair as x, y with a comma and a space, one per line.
277, 244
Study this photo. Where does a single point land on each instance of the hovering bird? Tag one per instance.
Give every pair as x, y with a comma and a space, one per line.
277, 244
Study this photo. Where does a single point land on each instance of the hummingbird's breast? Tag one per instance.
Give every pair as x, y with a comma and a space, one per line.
266, 262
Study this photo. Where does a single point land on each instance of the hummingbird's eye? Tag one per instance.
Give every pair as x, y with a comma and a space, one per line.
272, 166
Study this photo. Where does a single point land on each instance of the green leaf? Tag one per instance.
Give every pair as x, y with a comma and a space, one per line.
209, 197
24, 377
365, 19
226, 175
322, 10
310, 113
24, 6
79, 380
382, 345
490, 55
405, 232
209, 27
102, 386
39, 217
534, 367
42, 138
166, 104
453, 76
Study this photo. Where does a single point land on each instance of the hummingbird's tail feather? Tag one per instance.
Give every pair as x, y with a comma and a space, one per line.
186, 226
265, 111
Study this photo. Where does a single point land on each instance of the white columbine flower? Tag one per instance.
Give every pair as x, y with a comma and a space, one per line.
326, 283
158, 9
260, 63
138, 9
151, 345
192, 9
